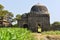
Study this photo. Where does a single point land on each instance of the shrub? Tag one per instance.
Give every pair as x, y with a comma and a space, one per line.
15, 34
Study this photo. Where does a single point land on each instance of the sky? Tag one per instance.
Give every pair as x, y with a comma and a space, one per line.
24, 6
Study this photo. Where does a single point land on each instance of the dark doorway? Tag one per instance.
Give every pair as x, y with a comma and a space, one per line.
39, 28
25, 26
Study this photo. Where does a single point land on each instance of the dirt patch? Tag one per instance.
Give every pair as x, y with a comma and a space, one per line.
53, 37
39, 36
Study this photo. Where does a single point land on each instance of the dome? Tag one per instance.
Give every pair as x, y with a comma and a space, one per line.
39, 7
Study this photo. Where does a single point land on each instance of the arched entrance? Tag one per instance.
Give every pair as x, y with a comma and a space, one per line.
39, 28
25, 26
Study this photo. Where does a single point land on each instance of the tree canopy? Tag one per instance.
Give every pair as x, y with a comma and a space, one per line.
1, 7
6, 15
18, 17
4, 12
56, 23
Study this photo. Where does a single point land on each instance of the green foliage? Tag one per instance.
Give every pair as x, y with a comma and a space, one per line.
4, 12
15, 25
15, 34
18, 17
1, 7
56, 23
51, 33
11, 14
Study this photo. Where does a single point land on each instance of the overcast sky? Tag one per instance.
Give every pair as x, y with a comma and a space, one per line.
24, 6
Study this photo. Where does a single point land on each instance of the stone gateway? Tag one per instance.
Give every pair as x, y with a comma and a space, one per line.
37, 17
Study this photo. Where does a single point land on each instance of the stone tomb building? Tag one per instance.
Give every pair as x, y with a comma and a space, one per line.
38, 16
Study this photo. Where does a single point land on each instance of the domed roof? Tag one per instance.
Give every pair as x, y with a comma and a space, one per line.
39, 7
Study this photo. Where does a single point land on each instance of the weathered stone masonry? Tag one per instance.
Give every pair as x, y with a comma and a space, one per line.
38, 15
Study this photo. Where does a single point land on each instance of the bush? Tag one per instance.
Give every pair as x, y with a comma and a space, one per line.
15, 34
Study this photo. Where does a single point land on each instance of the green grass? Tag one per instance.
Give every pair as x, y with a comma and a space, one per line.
21, 34
51, 33
15, 34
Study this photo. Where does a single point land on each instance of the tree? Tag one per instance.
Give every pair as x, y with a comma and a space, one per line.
3, 12
1, 7
11, 14
6, 14
18, 17
56, 23
55, 26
